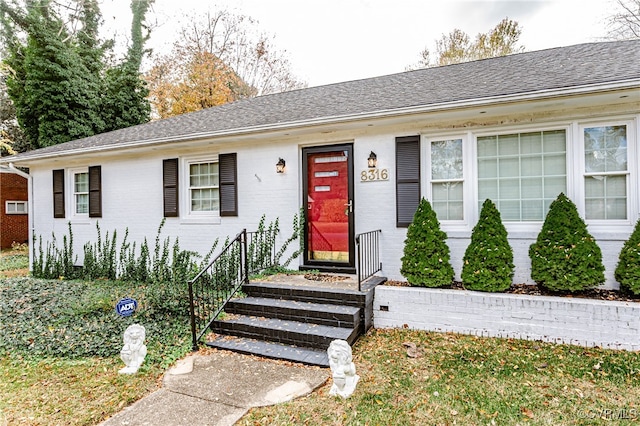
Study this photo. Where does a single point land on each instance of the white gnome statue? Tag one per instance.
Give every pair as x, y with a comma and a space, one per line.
134, 350
342, 368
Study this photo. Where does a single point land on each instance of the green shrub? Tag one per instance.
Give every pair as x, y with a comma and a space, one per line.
55, 263
163, 264
488, 260
565, 256
628, 270
260, 249
296, 234
100, 258
425, 260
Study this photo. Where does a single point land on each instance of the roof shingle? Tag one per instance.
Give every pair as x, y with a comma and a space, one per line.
530, 72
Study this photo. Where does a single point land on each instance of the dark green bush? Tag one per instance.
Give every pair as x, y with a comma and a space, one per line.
628, 270
100, 258
488, 260
565, 256
425, 260
56, 262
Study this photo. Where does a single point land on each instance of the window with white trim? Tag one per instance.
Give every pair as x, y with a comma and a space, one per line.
522, 173
15, 207
605, 172
204, 188
80, 192
447, 179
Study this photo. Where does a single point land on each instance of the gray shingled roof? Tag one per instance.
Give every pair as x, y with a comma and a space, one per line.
557, 68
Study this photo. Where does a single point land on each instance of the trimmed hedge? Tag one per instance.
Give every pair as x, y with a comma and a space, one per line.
565, 257
628, 270
487, 264
425, 260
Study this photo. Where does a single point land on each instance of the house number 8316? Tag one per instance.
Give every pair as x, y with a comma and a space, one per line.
372, 175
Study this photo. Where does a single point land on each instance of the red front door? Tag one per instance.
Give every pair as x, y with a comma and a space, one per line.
329, 212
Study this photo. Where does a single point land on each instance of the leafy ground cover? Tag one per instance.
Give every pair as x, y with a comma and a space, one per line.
60, 344
469, 380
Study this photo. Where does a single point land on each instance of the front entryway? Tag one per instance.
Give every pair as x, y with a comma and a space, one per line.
328, 191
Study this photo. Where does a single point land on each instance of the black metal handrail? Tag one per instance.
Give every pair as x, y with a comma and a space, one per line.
216, 284
368, 255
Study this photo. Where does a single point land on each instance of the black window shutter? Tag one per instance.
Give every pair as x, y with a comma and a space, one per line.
228, 185
58, 193
407, 179
170, 187
95, 191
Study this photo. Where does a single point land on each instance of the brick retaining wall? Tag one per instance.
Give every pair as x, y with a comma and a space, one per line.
583, 322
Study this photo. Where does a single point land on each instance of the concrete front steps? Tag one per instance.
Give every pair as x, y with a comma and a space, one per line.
294, 323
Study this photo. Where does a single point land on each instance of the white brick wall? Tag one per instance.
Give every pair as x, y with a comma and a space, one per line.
583, 322
132, 196
132, 199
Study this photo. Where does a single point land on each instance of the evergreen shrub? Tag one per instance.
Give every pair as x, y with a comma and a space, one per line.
628, 270
565, 256
425, 260
488, 260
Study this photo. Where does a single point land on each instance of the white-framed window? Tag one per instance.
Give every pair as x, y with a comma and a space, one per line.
16, 207
202, 198
446, 178
606, 171
522, 173
523, 169
79, 181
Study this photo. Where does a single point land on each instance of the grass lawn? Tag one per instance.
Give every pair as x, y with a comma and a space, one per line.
469, 380
50, 328
62, 391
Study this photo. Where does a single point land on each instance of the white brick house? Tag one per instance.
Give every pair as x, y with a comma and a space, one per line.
518, 129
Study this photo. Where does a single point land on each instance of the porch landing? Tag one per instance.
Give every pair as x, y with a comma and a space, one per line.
294, 318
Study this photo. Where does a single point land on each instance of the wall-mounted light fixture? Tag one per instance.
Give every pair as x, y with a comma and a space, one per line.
372, 161
280, 165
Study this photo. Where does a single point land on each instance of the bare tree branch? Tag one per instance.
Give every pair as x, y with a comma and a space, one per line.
234, 60
625, 23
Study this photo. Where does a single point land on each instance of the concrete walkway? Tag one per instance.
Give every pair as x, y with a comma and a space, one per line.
218, 389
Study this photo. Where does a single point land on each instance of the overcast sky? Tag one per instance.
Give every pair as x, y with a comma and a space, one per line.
329, 41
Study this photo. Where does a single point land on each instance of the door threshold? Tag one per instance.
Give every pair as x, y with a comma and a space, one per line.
329, 269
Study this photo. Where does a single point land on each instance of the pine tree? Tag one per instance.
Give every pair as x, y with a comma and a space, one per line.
60, 84
488, 260
565, 256
425, 261
12, 138
56, 97
126, 103
628, 270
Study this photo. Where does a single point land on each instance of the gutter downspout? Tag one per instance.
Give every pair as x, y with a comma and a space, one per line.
30, 213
